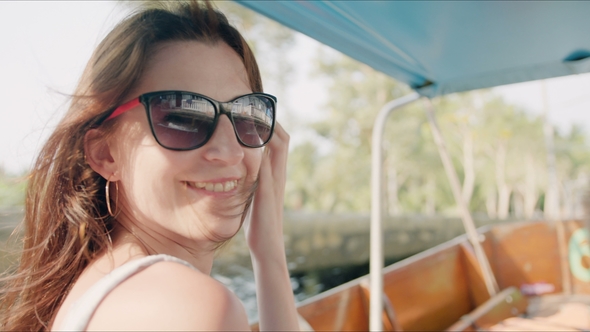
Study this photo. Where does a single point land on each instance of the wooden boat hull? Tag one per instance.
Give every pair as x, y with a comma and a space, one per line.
444, 285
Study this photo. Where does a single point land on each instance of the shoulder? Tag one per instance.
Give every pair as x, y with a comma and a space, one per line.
170, 296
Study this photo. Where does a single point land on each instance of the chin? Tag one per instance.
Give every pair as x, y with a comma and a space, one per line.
223, 230
229, 232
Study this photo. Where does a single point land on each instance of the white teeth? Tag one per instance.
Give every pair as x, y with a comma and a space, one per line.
216, 187
229, 185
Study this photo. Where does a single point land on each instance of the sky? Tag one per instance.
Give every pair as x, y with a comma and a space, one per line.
568, 99
46, 44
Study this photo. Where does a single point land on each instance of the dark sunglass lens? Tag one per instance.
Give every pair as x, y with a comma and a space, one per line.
181, 121
253, 117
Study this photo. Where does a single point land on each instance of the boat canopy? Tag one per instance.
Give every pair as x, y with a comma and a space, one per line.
442, 47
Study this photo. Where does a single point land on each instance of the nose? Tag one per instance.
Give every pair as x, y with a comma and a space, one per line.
223, 146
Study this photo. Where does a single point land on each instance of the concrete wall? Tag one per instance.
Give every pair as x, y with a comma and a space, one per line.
318, 241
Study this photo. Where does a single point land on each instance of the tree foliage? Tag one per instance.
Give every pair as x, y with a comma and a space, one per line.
12, 190
497, 148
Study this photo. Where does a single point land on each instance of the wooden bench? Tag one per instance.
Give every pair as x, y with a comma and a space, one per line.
390, 322
508, 303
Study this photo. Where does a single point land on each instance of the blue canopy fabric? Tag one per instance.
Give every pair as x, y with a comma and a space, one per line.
442, 47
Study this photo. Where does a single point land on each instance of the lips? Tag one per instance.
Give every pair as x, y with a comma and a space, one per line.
217, 187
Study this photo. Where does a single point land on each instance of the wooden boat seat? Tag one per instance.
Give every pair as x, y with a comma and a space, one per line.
442, 288
390, 322
508, 303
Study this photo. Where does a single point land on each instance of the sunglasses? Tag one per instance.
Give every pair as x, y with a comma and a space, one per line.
182, 120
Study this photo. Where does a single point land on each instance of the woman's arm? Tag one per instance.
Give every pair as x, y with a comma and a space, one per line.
264, 234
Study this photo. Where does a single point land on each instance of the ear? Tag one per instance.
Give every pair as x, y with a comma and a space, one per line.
98, 154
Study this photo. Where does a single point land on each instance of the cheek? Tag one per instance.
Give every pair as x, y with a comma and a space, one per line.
143, 167
132, 150
151, 190
253, 160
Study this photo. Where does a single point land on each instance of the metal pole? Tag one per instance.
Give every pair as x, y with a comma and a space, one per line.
488, 275
551, 208
376, 263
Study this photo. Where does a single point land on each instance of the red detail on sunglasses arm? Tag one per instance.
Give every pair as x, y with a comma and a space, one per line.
124, 108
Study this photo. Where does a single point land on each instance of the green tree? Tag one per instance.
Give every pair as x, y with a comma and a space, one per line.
511, 146
573, 168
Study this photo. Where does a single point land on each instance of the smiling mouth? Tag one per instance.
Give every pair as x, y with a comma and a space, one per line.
215, 187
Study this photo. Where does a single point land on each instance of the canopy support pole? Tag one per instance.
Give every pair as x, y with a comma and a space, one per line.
488, 275
376, 263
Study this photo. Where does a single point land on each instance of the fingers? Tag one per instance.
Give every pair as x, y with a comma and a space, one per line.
278, 148
274, 162
280, 132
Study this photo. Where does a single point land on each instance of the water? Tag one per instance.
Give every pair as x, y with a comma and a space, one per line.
240, 280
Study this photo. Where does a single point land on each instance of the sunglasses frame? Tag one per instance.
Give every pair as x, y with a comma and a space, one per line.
220, 108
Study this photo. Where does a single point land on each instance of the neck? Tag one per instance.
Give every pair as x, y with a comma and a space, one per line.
132, 242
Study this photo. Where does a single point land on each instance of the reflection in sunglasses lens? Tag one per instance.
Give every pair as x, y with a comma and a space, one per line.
180, 121
185, 121
253, 117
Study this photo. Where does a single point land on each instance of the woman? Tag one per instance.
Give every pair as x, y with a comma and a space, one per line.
158, 161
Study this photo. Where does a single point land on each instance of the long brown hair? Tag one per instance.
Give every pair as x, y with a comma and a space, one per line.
66, 222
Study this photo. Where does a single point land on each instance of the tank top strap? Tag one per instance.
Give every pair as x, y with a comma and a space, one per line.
81, 311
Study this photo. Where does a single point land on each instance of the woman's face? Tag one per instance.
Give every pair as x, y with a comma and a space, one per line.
195, 195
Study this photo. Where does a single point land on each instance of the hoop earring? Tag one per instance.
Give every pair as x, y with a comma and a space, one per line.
108, 197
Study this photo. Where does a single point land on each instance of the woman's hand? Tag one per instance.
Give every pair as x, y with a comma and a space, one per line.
264, 234
264, 231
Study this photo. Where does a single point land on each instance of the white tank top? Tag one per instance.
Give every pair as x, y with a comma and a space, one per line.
80, 312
